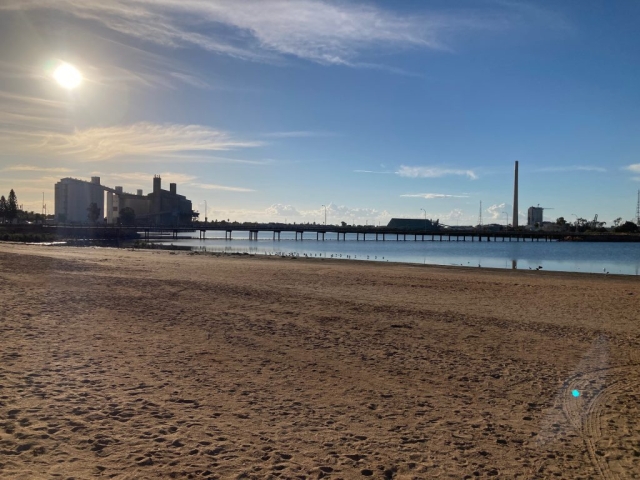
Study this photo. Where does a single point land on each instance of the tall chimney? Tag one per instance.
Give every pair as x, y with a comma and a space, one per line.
172, 188
515, 197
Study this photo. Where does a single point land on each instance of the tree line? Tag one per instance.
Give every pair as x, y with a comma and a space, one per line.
10, 211
584, 225
9, 207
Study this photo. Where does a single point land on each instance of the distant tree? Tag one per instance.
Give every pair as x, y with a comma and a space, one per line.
3, 208
344, 224
12, 206
627, 227
93, 212
561, 221
617, 221
127, 216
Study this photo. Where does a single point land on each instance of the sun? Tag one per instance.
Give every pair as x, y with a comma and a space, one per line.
67, 76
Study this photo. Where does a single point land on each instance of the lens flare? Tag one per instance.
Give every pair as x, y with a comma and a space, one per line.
575, 393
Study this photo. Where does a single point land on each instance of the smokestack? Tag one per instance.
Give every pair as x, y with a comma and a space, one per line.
172, 188
139, 192
515, 197
157, 184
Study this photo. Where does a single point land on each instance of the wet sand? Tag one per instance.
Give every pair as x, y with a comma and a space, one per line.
148, 364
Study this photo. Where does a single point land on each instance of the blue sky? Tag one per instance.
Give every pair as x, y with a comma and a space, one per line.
270, 109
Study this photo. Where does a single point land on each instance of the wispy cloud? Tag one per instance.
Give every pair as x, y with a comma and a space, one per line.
372, 171
144, 141
430, 196
433, 172
35, 168
325, 32
226, 188
138, 179
34, 125
132, 67
298, 134
243, 161
17, 71
24, 111
192, 80
634, 167
572, 168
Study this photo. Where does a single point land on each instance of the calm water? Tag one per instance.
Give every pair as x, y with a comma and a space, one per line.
615, 258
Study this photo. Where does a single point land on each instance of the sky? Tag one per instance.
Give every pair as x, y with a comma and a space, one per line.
272, 110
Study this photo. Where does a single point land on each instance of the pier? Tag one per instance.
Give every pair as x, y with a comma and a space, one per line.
339, 234
304, 232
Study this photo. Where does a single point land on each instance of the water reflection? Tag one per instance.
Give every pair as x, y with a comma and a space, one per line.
615, 258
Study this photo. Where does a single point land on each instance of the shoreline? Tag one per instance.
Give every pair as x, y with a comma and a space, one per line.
186, 250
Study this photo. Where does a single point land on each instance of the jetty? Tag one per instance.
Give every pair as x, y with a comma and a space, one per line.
314, 232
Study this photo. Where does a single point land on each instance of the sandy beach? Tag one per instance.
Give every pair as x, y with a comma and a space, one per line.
154, 364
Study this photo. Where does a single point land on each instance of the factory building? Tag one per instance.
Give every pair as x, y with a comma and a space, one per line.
414, 224
73, 197
118, 200
534, 215
160, 207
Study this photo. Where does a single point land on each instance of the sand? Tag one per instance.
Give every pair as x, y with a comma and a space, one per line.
154, 364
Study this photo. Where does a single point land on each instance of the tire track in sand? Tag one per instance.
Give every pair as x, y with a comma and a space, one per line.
584, 398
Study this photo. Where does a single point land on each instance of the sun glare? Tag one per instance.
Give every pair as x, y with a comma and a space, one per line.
67, 76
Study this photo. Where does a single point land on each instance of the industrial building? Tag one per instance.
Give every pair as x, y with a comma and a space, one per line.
160, 207
73, 197
534, 216
414, 224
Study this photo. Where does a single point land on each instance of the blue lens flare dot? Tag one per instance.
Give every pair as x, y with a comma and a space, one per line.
575, 393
